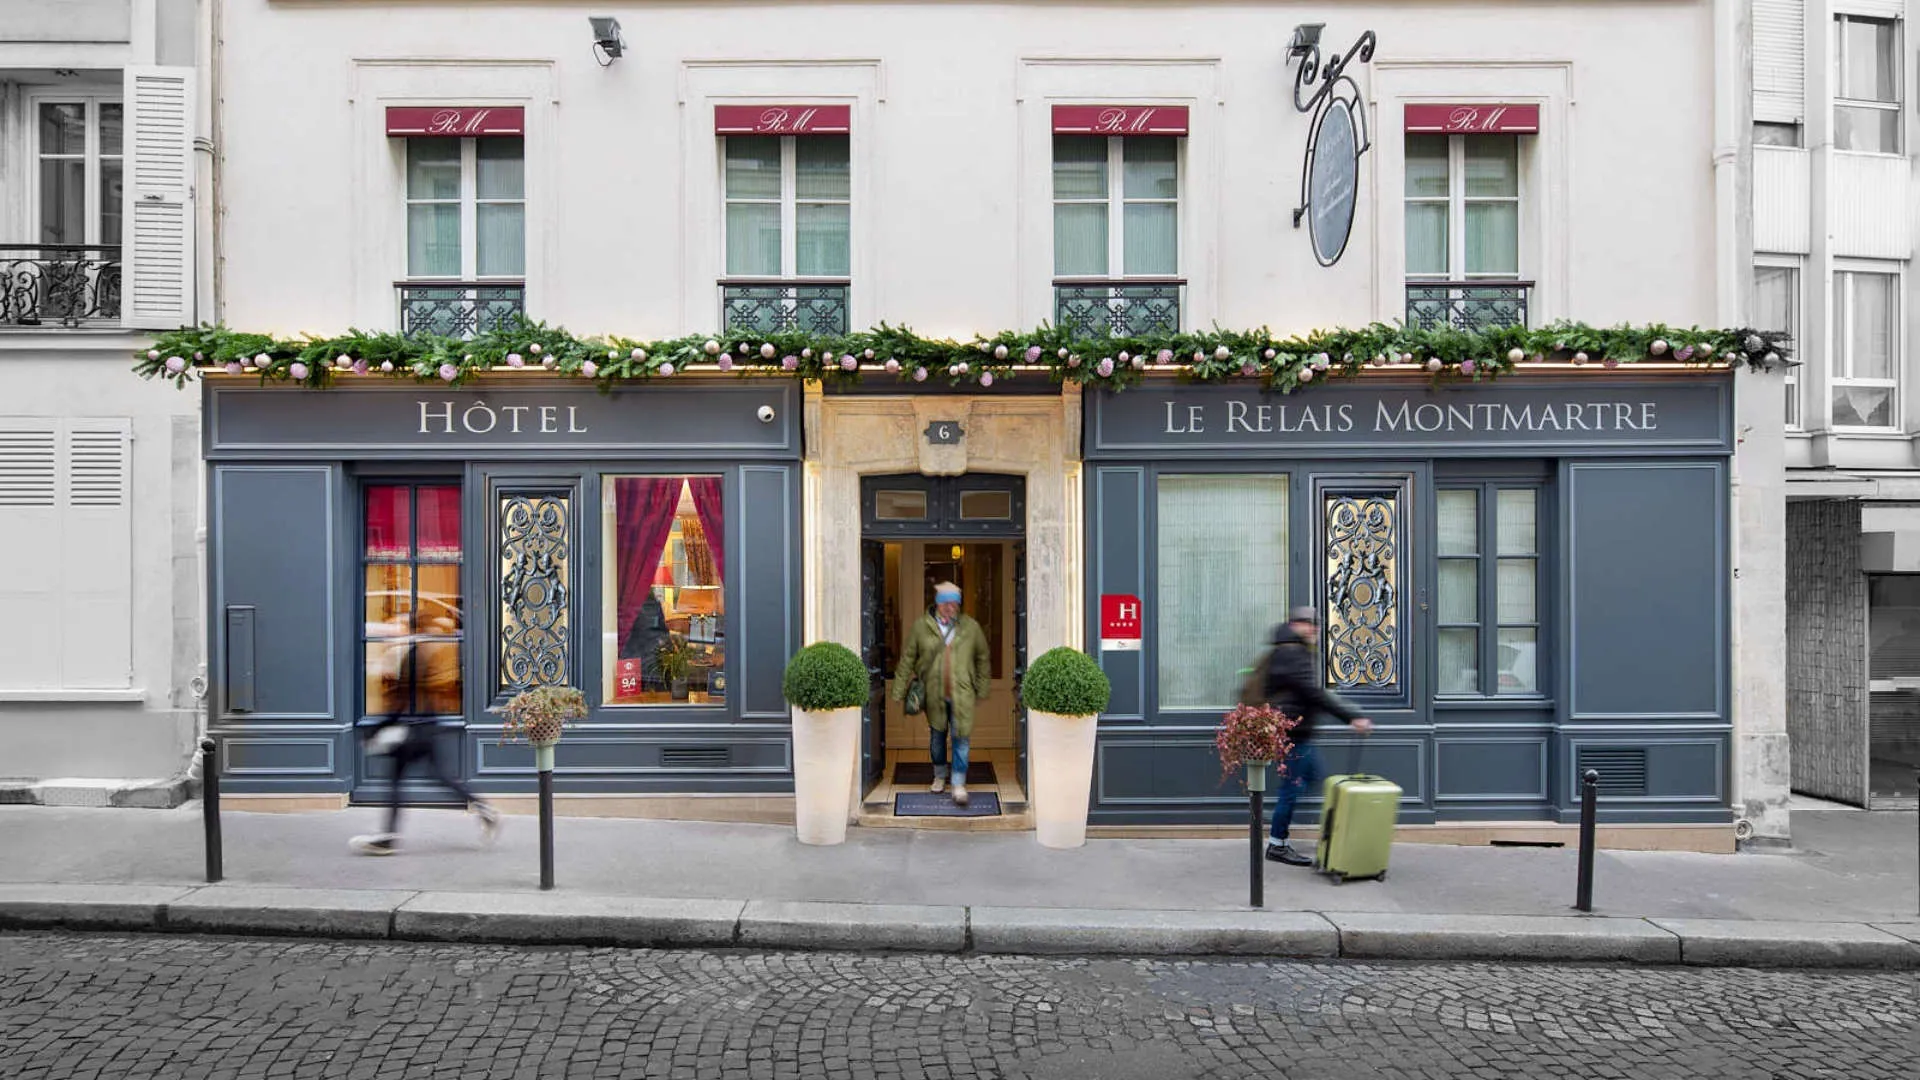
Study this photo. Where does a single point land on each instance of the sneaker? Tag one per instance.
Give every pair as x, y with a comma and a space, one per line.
1284, 853
489, 821
375, 843
939, 784
959, 794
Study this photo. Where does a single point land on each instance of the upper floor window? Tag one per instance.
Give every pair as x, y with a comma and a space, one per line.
1776, 306
466, 202
1866, 84
1866, 341
1463, 230
79, 150
789, 231
1116, 232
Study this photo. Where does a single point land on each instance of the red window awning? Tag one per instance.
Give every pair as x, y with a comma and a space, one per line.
1474, 118
782, 119
456, 120
1119, 119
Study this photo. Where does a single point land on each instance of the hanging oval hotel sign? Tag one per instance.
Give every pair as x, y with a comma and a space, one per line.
1333, 179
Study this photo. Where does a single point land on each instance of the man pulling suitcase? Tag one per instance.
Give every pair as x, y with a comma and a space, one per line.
1293, 686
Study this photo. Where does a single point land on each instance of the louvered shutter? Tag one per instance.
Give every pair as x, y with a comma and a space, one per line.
157, 259
66, 535
1779, 61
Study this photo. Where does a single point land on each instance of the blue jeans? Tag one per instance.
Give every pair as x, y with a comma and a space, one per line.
1302, 775
938, 745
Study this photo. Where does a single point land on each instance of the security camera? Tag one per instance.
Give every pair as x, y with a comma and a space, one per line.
766, 414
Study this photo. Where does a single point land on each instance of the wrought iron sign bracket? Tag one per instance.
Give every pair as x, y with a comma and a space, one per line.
1327, 188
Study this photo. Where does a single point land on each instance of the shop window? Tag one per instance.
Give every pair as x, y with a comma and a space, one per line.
414, 615
789, 248
666, 590
1116, 233
1866, 82
1222, 565
1866, 335
1488, 610
1463, 231
1776, 306
466, 235
1893, 668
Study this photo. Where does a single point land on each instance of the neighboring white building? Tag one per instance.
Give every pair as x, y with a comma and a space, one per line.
100, 625
1835, 198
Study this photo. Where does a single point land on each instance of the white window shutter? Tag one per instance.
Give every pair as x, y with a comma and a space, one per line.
30, 546
1779, 61
157, 280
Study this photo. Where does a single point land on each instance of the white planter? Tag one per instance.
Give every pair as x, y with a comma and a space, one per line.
826, 748
1060, 769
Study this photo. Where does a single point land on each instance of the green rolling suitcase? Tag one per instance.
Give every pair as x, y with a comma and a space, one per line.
1356, 826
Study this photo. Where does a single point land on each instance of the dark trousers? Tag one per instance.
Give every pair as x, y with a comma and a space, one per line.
1301, 776
422, 746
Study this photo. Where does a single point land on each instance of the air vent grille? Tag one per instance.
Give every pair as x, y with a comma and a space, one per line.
1622, 769
696, 757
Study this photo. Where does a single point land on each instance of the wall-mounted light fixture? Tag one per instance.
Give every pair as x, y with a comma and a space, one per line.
1306, 38
607, 42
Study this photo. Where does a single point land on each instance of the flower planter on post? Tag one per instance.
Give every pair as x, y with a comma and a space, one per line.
1254, 736
826, 684
1064, 692
538, 716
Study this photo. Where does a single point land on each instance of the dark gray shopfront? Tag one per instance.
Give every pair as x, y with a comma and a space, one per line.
1518, 581
436, 548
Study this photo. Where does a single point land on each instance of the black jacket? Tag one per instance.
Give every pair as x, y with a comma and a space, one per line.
1293, 685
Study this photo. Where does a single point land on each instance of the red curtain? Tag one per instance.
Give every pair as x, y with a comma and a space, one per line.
389, 526
713, 519
644, 507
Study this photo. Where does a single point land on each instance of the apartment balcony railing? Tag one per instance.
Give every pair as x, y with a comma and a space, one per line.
1117, 307
769, 305
459, 308
1467, 305
70, 285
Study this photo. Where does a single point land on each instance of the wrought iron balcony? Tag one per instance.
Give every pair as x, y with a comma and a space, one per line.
1118, 307
459, 308
68, 285
766, 305
1467, 305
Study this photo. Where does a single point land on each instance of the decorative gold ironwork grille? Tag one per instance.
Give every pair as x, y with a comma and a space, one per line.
535, 592
1363, 590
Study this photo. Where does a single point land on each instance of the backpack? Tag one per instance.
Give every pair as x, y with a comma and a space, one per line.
1253, 680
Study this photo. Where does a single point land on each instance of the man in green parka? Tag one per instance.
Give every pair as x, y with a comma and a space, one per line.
947, 652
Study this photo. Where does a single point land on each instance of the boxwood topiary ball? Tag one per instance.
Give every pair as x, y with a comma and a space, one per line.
1066, 682
825, 675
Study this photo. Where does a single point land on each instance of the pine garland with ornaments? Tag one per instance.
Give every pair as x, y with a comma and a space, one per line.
897, 353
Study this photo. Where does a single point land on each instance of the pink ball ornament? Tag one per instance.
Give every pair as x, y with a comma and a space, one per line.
986, 378
893, 366
1164, 356
789, 362
176, 365
589, 369
726, 363
1073, 361
1610, 362
1105, 368
744, 348
919, 374
849, 362
666, 369
1125, 358
1683, 354
1467, 367
298, 370
197, 358
235, 367
514, 359
1306, 374
1199, 357
1033, 354
827, 357
449, 372
1321, 362
359, 367
1249, 370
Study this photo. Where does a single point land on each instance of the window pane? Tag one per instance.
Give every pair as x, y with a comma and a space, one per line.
666, 596
1459, 514
1514, 660
986, 506
1459, 661
436, 662
501, 239
1514, 589
389, 599
1775, 294
1766, 134
63, 128
112, 123
1493, 238
1151, 168
1427, 238
1893, 626
1517, 511
63, 201
1079, 167
753, 239
433, 240
387, 669
1863, 406
433, 168
1459, 590
820, 240
1152, 238
1493, 165
1867, 130
501, 168
1427, 166
1080, 239
753, 166
1873, 306
439, 522
820, 167
110, 196
1223, 582
1868, 68
389, 522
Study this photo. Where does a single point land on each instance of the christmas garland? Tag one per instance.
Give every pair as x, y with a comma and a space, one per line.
1280, 363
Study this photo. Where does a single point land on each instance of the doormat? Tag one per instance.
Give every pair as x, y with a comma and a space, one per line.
927, 804
910, 773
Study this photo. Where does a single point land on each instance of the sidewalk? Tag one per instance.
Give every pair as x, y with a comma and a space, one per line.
1845, 894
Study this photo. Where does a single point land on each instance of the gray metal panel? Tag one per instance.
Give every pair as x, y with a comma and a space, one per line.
242, 669
768, 589
275, 554
1659, 648
612, 755
1120, 527
1687, 771
280, 754
1491, 767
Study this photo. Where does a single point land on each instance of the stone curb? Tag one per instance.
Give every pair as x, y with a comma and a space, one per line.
527, 918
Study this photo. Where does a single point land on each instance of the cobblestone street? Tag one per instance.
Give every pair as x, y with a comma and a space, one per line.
74, 1006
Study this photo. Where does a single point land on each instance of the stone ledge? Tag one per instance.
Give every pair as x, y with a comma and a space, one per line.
782, 924
1154, 933
1739, 942
559, 919
241, 909
1399, 936
88, 907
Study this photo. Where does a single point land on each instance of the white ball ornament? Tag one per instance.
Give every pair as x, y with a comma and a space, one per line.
386, 366
1267, 354
153, 354
1139, 363
806, 353
1222, 353
1770, 359
1580, 358
1306, 374
343, 361
1433, 364
1062, 354
549, 363
868, 354
534, 348
1705, 352
263, 361
962, 365
712, 347
893, 366
589, 369
1321, 361
999, 352
953, 369
298, 370
1515, 355
1199, 357
1659, 347
635, 355
767, 350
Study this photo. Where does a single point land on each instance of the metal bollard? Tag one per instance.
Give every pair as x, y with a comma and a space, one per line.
543, 761
210, 805
1256, 870
1589, 794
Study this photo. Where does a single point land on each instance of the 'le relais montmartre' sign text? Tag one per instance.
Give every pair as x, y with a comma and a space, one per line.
1603, 414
